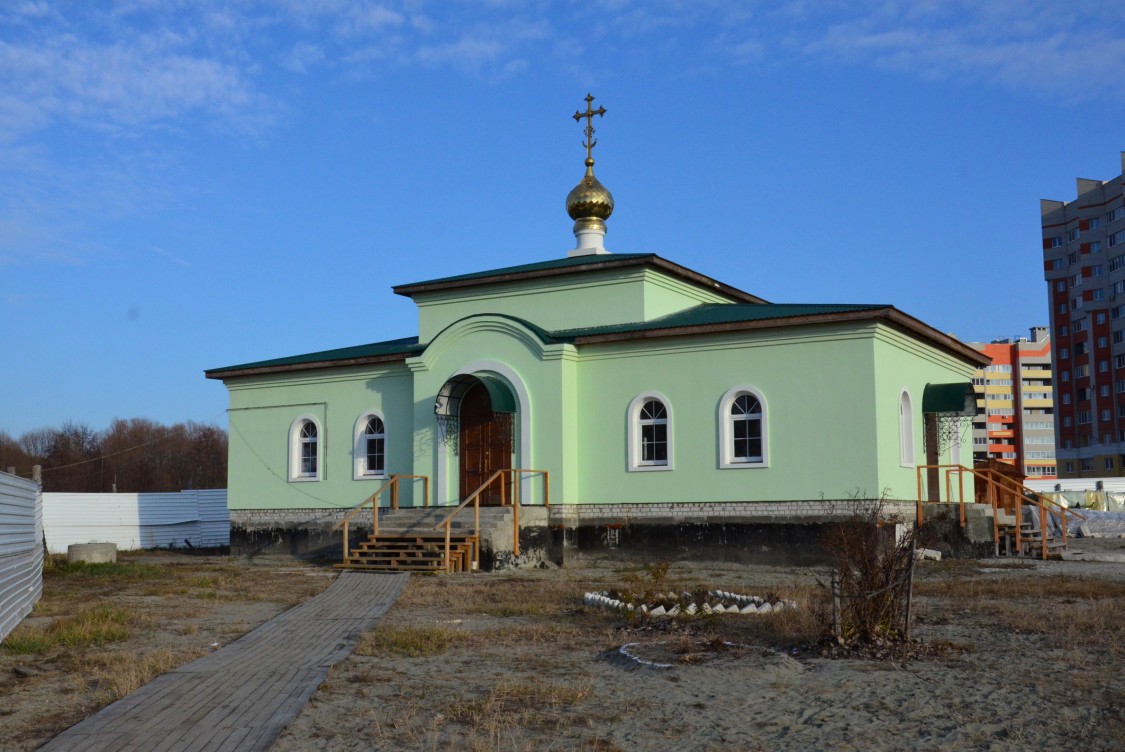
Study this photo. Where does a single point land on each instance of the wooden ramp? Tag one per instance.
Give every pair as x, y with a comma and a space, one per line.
242, 696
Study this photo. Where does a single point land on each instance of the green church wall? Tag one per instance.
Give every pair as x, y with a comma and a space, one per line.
816, 383
664, 295
902, 362
830, 391
263, 409
592, 299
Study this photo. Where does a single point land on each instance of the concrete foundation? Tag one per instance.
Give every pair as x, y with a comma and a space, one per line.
942, 531
92, 553
760, 532
303, 533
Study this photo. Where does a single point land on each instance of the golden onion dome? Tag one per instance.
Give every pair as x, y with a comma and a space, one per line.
589, 199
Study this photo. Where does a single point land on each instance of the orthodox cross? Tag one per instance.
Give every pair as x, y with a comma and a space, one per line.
590, 142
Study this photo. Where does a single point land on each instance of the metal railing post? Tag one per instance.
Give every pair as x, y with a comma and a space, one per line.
918, 511
1043, 530
448, 560
516, 514
961, 492
1019, 524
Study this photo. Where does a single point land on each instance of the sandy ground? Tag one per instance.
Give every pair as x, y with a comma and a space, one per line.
1030, 657
1032, 660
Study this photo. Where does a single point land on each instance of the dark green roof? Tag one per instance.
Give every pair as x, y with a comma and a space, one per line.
562, 263
699, 319
357, 354
576, 265
718, 313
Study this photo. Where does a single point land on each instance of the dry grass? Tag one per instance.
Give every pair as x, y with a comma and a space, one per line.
92, 625
414, 642
970, 589
517, 703
113, 675
512, 714
57, 566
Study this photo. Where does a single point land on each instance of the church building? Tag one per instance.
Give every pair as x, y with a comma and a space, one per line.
651, 394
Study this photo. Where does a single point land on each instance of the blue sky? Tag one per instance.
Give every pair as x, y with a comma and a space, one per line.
187, 185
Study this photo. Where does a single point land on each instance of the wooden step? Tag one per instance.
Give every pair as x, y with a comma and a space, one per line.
412, 552
395, 568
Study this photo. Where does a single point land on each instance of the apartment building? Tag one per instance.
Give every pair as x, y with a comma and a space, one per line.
1015, 421
1084, 265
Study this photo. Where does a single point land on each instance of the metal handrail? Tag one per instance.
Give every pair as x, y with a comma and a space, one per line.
1014, 488
373, 500
474, 497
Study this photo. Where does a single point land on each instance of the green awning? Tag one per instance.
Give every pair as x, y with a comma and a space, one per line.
503, 401
950, 399
499, 393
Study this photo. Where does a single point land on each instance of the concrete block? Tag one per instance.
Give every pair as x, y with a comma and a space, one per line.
92, 553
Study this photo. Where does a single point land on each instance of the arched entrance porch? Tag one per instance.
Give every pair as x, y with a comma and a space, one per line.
477, 422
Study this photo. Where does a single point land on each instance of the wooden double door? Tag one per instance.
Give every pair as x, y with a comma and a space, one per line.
484, 446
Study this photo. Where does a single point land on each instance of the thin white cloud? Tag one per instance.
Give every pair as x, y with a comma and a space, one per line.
1028, 46
364, 18
467, 51
118, 85
170, 256
303, 57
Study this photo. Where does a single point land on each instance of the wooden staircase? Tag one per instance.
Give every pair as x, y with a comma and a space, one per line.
1026, 539
1025, 523
430, 539
411, 552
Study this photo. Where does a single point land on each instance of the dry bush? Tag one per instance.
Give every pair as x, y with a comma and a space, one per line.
872, 572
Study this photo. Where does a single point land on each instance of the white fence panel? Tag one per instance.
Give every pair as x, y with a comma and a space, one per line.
21, 550
214, 517
136, 520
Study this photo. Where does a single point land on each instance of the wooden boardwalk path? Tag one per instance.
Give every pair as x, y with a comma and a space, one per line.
242, 696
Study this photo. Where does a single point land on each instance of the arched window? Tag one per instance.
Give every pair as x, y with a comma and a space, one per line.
743, 440
746, 422
906, 429
304, 449
650, 433
370, 447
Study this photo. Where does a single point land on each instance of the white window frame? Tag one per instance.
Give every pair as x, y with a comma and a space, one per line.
906, 429
633, 416
295, 445
360, 471
727, 460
